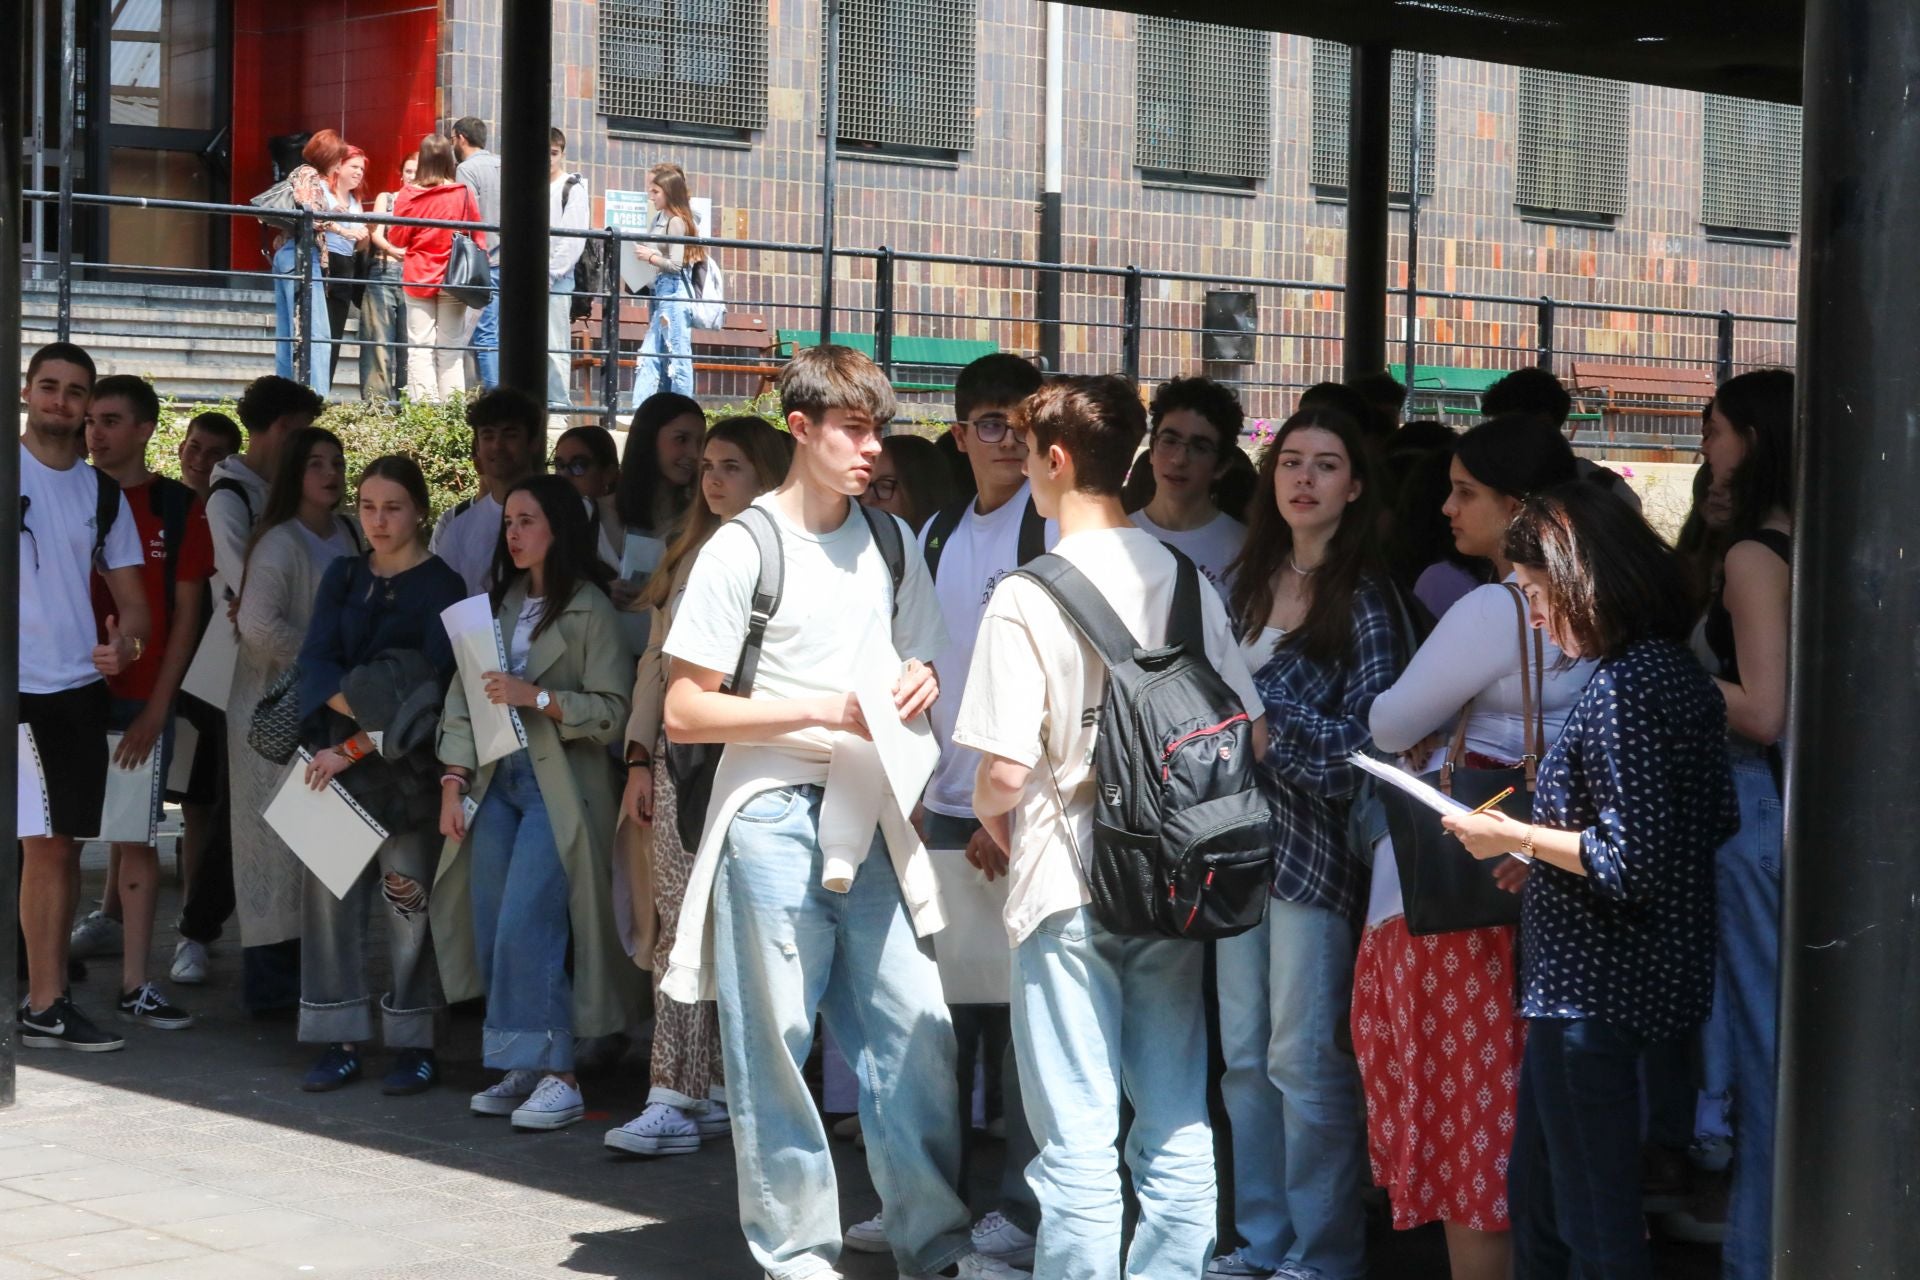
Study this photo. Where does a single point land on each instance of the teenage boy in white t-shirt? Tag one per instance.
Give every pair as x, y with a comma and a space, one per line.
813, 909
64, 658
1095, 1016
1195, 426
509, 427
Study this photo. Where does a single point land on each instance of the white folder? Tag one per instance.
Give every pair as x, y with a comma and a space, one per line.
33, 816
210, 675
186, 741
326, 829
132, 810
976, 964
478, 648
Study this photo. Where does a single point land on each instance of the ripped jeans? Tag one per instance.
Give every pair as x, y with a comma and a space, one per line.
335, 1006
522, 930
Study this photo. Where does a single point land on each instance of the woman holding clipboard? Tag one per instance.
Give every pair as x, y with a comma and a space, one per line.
525, 885
1617, 917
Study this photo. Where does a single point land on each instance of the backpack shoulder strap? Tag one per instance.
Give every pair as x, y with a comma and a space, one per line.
1033, 533
941, 527
106, 509
173, 503
227, 484
1183, 616
566, 189
766, 595
1084, 606
893, 547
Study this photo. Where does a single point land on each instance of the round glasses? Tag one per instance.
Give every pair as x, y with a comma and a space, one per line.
990, 428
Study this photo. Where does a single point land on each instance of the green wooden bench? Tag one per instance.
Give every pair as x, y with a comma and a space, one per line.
946, 354
1457, 389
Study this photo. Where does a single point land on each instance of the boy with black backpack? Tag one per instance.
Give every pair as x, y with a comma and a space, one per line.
818, 887
1113, 722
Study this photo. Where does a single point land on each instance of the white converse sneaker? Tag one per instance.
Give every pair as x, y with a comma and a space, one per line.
660, 1130
978, 1266
502, 1097
869, 1236
994, 1236
189, 963
555, 1104
715, 1122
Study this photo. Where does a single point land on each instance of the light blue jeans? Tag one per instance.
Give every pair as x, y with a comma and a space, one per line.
1747, 1010
521, 927
486, 339
286, 288
786, 947
1292, 1091
1098, 1018
666, 355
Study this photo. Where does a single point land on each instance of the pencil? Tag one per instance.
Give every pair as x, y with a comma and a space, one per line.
1496, 800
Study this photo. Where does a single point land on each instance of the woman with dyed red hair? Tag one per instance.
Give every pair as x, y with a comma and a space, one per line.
311, 184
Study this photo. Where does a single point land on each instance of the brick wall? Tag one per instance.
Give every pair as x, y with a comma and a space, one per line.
1472, 239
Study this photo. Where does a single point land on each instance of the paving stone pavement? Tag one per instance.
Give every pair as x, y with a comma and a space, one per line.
193, 1155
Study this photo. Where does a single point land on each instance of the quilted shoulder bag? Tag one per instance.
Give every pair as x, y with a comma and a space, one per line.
274, 729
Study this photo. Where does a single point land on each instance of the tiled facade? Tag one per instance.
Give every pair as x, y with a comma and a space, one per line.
1472, 239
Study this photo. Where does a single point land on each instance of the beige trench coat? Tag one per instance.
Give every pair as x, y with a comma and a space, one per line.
586, 665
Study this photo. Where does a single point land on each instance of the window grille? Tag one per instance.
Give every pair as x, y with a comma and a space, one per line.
1203, 102
1750, 166
1332, 96
700, 65
1573, 144
906, 74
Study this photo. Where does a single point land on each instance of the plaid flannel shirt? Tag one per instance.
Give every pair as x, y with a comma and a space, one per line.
1316, 718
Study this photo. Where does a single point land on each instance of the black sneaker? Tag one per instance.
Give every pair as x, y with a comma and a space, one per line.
146, 1006
414, 1071
61, 1026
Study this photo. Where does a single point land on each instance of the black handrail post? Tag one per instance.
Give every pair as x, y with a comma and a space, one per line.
13, 128
1723, 355
1544, 357
303, 305
69, 108
883, 310
830, 164
1130, 318
610, 334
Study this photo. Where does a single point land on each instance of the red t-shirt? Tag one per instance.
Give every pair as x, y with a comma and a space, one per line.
195, 564
428, 248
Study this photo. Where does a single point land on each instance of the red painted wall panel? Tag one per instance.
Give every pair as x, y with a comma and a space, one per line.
363, 67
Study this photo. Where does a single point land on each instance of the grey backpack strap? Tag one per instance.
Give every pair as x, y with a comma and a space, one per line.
893, 547
766, 595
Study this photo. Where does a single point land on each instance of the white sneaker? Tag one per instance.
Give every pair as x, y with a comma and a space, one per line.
502, 1097
715, 1122
96, 935
555, 1104
1238, 1264
869, 1236
978, 1266
994, 1236
660, 1130
189, 963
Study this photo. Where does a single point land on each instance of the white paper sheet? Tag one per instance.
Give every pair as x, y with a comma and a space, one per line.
131, 811
186, 741
478, 649
908, 751
976, 964
210, 675
32, 816
1420, 790
326, 829
641, 556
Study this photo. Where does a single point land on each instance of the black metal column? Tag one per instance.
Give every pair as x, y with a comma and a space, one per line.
829, 166
14, 117
526, 92
1046, 299
1847, 1182
1369, 115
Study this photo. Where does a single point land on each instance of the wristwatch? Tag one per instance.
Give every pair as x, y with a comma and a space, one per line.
542, 700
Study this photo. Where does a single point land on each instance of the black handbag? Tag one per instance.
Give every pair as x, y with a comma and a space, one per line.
274, 729
469, 278
1443, 887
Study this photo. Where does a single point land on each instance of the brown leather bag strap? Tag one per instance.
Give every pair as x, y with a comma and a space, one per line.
1533, 676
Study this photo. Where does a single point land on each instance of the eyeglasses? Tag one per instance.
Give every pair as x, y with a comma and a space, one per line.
990, 428
575, 467
884, 488
1171, 444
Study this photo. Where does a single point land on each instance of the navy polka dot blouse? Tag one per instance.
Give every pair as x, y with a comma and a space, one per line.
1641, 772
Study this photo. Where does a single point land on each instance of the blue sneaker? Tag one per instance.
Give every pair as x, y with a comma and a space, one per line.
414, 1071
337, 1066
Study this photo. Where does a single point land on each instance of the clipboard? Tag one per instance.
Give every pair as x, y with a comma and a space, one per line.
131, 814
327, 829
478, 648
1421, 792
33, 813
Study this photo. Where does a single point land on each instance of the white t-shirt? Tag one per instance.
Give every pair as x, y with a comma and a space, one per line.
1032, 682
520, 643
466, 541
1211, 547
981, 550
833, 584
57, 629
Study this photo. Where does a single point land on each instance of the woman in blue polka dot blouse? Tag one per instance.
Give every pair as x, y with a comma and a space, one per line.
1617, 923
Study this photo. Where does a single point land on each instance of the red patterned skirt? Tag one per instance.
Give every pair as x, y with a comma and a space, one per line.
1439, 1044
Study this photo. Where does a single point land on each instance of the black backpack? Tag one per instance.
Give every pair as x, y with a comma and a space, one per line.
1033, 532
692, 765
106, 509
1182, 836
590, 272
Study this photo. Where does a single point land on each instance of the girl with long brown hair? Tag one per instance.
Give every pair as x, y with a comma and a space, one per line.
666, 356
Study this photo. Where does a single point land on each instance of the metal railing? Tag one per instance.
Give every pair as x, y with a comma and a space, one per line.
1147, 324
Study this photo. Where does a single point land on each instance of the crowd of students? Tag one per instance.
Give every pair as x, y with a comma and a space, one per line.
1448, 602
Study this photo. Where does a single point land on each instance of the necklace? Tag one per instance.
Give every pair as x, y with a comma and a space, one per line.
1294, 564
